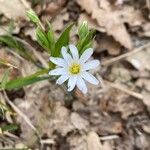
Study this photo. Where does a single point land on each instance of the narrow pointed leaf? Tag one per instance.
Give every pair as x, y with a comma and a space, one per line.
4, 79
24, 81
17, 45
62, 41
42, 38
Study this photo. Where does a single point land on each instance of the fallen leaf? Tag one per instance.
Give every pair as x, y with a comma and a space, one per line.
146, 98
58, 22
13, 9
106, 42
91, 23
113, 20
146, 30
79, 122
30, 31
93, 141
143, 84
141, 60
77, 142
121, 102
146, 127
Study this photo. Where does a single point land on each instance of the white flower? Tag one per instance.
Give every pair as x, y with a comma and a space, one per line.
74, 68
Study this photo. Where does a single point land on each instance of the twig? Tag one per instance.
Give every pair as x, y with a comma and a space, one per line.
123, 56
17, 110
15, 54
47, 141
148, 4
100, 80
37, 55
119, 87
110, 137
11, 135
26, 5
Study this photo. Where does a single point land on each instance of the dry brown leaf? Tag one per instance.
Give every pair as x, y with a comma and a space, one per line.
146, 98
30, 31
108, 43
113, 19
146, 127
141, 60
146, 29
13, 9
58, 22
113, 27
79, 122
143, 84
77, 142
5, 28
93, 142
121, 102
142, 142
54, 6
11, 60
91, 22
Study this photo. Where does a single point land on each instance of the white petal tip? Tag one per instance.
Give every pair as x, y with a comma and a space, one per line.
84, 92
98, 62
58, 83
96, 82
69, 90
50, 58
50, 73
71, 45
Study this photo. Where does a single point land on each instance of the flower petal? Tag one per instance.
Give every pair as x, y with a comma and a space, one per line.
58, 71
74, 51
58, 61
66, 55
90, 65
89, 77
86, 55
72, 82
81, 85
62, 79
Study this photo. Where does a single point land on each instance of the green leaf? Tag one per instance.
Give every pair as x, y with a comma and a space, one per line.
85, 42
62, 41
83, 30
42, 38
32, 16
4, 79
89, 45
17, 45
51, 37
24, 81
5, 63
11, 127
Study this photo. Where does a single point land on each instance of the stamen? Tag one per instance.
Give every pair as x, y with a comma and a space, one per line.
74, 69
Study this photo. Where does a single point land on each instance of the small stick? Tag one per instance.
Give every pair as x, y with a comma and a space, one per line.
119, 87
37, 55
17, 110
47, 141
110, 137
123, 56
26, 5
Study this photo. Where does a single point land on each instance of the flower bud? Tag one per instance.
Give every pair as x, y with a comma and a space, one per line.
32, 16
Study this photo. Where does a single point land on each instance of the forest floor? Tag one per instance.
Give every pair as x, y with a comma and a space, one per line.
115, 115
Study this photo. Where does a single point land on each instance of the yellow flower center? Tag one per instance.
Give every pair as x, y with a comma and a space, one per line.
75, 68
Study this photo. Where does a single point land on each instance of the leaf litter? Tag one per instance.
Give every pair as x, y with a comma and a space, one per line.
106, 118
